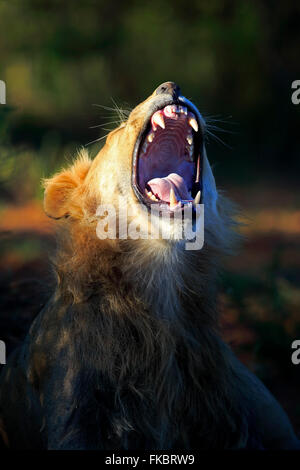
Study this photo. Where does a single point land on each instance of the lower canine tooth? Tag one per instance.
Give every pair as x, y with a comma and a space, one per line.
173, 200
197, 198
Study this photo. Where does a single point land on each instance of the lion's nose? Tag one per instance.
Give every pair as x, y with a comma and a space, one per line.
169, 88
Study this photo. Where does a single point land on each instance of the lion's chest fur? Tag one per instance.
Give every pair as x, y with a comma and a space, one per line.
151, 381
132, 339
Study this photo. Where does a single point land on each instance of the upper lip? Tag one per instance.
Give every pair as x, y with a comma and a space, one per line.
159, 103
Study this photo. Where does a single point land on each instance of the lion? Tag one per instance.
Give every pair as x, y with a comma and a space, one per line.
127, 354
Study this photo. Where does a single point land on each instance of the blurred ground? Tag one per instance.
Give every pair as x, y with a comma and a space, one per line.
260, 294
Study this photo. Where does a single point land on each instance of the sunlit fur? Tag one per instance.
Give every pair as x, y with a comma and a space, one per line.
127, 354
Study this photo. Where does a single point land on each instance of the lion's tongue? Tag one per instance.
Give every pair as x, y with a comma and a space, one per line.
161, 187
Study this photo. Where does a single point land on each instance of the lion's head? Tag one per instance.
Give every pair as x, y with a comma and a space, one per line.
156, 159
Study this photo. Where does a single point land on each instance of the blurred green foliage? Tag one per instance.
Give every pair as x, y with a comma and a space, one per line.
231, 58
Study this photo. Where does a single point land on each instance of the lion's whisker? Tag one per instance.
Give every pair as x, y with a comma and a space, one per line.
217, 139
219, 129
104, 124
96, 140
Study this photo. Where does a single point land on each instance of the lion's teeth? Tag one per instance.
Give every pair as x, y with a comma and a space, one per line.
183, 110
189, 139
193, 123
173, 200
197, 198
151, 137
150, 195
158, 119
172, 111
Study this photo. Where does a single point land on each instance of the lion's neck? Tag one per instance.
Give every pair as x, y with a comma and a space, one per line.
165, 278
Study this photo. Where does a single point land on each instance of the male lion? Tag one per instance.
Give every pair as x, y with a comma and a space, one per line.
127, 353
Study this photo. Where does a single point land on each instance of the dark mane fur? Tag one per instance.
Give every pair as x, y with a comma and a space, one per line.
163, 373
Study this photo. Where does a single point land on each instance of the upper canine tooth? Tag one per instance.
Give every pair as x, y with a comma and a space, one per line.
158, 119
173, 200
193, 123
189, 138
197, 198
183, 110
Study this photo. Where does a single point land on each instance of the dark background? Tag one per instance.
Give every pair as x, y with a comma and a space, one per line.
236, 60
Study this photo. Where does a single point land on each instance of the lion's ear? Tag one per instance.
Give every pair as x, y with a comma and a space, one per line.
59, 200
58, 191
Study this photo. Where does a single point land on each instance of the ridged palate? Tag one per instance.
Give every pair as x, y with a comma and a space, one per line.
168, 150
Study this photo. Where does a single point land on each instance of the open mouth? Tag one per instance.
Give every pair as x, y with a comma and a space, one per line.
167, 161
